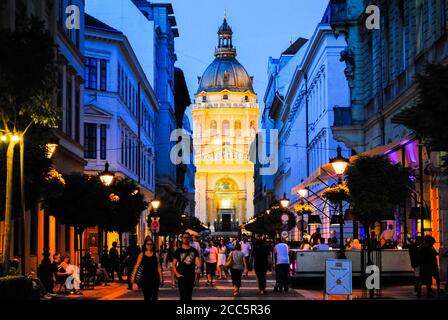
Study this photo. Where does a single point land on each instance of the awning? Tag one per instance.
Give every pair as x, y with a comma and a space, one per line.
326, 172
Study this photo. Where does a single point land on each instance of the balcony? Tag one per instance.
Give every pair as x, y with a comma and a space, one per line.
342, 116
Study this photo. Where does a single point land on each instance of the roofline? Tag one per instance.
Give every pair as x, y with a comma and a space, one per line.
129, 52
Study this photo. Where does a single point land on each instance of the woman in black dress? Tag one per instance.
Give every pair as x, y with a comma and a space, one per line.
152, 272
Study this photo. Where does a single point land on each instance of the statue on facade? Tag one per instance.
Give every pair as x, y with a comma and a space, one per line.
347, 56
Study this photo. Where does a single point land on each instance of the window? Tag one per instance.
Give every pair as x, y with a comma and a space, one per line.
69, 110
225, 128
103, 75
419, 26
238, 128
213, 128
246, 99
225, 97
90, 141
204, 99
103, 142
91, 73
77, 113
122, 147
119, 79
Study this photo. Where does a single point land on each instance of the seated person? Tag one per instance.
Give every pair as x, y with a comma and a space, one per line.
58, 270
73, 280
305, 245
321, 245
355, 245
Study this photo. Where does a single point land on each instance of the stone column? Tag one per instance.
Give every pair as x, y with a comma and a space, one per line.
249, 195
200, 197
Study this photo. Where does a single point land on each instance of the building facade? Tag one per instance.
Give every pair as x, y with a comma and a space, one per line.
43, 233
380, 67
225, 123
305, 85
120, 112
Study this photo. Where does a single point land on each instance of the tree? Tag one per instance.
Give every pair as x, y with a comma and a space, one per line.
271, 224
376, 188
170, 220
127, 206
428, 117
83, 203
27, 82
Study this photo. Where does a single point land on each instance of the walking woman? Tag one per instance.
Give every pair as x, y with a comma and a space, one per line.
152, 272
261, 256
169, 260
222, 256
237, 267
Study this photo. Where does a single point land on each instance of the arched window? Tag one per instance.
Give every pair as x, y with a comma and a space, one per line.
225, 97
253, 128
226, 128
238, 128
246, 99
213, 128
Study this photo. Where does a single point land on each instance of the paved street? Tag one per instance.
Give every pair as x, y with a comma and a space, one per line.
223, 291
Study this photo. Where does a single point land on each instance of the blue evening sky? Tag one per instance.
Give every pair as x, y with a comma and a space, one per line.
261, 28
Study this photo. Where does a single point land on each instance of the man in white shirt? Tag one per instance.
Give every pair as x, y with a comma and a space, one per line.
246, 249
281, 251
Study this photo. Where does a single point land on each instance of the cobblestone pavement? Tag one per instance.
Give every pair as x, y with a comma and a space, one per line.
223, 291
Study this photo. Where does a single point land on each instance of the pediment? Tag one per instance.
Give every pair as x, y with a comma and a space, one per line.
91, 110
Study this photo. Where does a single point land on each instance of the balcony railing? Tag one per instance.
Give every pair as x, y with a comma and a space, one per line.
342, 116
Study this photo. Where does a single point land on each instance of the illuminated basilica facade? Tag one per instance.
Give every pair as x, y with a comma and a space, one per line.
225, 123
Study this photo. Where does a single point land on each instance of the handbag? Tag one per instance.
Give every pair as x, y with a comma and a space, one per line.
229, 261
138, 274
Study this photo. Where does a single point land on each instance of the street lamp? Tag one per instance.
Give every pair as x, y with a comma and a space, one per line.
106, 176
51, 149
284, 202
339, 165
155, 204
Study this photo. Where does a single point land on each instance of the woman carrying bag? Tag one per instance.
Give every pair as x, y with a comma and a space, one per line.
237, 265
147, 271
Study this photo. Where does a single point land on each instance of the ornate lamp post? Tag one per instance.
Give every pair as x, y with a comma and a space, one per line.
106, 176
340, 165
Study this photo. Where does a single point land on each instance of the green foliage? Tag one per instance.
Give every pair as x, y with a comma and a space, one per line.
376, 188
27, 76
170, 220
192, 223
270, 224
17, 288
36, 167
126, 211
83, 203
428, 118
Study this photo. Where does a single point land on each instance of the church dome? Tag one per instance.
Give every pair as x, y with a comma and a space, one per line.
225, 72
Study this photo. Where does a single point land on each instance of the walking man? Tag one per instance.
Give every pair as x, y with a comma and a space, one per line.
186, 264
281, 251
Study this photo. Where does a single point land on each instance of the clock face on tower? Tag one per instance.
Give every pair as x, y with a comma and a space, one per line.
225, 124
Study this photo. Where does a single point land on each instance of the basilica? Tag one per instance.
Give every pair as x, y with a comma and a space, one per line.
225, 123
